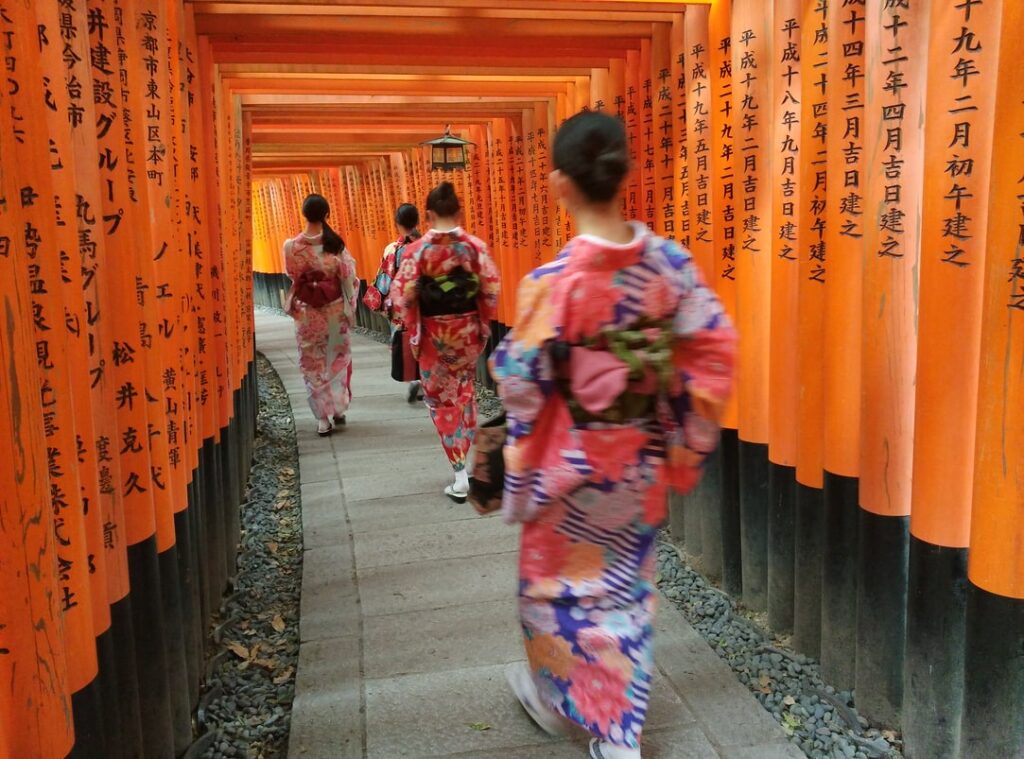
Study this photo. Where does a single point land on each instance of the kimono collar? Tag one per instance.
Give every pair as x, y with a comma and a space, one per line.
436, 236
590, 252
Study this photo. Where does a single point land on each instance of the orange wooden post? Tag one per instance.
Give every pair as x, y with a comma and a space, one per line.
677, 225
662, 126
896, 41
993, 722
35, 709
634, 182
751, 65
524, 252
144, 457
212, 528
958, 124
168, 378
783, 388
725, 234
812, 224
58, 312
843, 276
647, 135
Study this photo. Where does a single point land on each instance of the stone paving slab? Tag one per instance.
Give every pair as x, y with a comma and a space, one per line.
436, 584
408, 613
406, 511
327, 715
484, 536
435, 640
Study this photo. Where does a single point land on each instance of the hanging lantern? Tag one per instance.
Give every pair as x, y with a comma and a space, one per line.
447, 153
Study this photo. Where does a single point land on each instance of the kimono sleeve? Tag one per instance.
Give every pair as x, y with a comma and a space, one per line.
291, 266
405, 296
490, 288
387, 270
521, 364
349, 285
704, 356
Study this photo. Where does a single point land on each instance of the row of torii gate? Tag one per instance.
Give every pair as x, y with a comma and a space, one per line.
848, 173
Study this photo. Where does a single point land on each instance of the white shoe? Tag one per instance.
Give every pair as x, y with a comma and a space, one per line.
459, 496
599, 749
520, 679
324, 428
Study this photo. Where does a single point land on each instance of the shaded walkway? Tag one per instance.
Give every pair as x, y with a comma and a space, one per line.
408, 604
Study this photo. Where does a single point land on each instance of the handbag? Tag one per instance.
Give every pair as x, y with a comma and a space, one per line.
316, 289
404, 366
372, 298
488, 481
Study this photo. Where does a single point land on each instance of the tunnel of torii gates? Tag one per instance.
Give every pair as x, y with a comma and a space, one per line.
849, 175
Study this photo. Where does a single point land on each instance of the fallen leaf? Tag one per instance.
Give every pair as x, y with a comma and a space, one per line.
272, 547
889, 735
766, 684
266, 664
284, 676
479, 726
241, 651
789, 701
278, 623
790, 722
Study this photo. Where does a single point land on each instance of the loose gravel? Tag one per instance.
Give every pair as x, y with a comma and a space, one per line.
248, 699
819, 719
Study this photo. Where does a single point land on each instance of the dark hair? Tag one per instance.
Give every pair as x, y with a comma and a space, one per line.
443, 201
316, 210
590, 148
407, 216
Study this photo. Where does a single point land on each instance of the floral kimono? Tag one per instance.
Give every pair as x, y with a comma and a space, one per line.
325, 351
613, 378
448, 346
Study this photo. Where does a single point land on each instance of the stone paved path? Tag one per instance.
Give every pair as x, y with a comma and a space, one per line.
408, 606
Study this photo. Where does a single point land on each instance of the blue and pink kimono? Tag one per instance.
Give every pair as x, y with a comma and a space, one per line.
613, 378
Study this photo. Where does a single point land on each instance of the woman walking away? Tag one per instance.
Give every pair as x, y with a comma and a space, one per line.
613, 377
446, 294
407, 220
322, 301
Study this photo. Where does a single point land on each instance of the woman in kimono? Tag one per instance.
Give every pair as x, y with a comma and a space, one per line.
407, 220
613, 378
446, 294
317, 259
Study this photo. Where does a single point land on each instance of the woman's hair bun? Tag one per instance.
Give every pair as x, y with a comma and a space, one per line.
443, 201
407, 216
590, 148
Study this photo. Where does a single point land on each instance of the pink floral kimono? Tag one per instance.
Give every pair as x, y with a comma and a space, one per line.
613, 378
448, 347
325, 351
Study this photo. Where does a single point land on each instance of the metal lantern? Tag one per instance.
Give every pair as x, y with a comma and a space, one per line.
448, 152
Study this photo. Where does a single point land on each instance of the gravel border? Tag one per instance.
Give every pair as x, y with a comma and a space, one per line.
820, 720
251, 684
